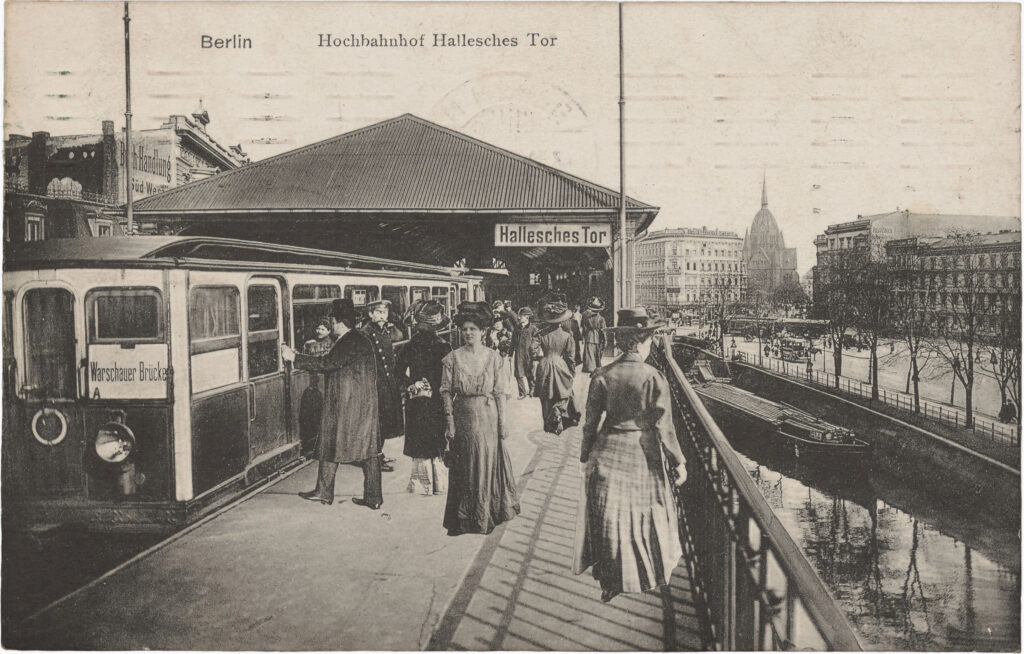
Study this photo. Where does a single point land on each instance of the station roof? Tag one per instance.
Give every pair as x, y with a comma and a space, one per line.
404, 164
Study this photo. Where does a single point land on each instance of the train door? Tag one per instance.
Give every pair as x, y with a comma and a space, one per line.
311, 303
49, 449
268, 401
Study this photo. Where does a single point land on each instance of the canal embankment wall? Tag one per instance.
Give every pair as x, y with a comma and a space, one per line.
943, 467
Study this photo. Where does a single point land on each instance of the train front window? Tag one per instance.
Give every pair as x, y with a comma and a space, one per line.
49, 343
263, 335
215, 335
125, 315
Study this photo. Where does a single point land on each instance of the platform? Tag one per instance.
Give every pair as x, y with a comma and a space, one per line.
274, 572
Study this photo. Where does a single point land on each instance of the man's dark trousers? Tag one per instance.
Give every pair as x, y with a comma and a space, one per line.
328, 470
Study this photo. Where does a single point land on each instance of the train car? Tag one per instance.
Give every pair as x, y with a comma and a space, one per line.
144, 384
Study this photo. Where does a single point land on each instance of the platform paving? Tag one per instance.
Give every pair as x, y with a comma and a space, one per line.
274, 572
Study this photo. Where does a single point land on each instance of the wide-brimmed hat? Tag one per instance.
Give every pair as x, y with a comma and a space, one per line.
343, 309
498, 305
479, 313
526, 311
553, 310
636, 320
430, 313
595, 304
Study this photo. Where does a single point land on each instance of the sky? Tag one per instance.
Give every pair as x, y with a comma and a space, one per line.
844, 109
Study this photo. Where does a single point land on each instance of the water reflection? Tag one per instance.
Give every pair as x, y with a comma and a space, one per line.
911, 572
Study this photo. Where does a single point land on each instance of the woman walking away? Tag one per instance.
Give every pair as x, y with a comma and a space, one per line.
555, 371
418, 367
481, 485
593, 334
626, 526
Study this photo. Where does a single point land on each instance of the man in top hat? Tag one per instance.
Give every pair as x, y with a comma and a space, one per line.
349, 422
389, 401
593, 334
523, 352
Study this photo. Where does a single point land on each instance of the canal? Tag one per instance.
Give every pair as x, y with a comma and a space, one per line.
911, 572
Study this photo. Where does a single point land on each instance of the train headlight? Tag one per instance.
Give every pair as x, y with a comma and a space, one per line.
114, 442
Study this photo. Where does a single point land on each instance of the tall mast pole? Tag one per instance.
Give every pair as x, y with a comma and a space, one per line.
622, 171
128, 122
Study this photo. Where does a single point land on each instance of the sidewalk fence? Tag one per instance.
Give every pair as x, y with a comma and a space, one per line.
1008, 434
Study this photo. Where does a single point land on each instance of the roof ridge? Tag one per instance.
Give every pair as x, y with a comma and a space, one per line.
591, 186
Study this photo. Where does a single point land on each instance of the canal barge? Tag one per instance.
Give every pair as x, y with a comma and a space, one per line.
790, 430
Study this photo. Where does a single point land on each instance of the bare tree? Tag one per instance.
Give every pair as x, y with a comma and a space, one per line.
837, 303
911, 314
872, 298
1001, 355
962, 308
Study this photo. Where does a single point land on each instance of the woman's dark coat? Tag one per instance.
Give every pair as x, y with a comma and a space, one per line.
424, 416
348, 424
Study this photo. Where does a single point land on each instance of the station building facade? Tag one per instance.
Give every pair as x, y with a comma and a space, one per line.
410, 189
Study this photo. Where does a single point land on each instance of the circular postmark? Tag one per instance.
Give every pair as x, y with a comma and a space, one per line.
538, 120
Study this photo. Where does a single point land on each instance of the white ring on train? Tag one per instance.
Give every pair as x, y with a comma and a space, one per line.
63, 426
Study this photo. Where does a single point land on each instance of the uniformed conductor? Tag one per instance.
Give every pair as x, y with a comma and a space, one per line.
389, 401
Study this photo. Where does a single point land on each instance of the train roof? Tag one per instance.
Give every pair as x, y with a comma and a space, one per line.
183, 251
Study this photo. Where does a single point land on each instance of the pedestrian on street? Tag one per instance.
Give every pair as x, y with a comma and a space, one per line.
349, 429
481, 484
577, 333
593, 334
523, 352
626, 524
381, 332
556, 369
418, 366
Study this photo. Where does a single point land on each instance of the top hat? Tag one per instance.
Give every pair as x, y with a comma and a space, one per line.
343, 309
554, 310
595, 304
430, 313
476, 312
636, 319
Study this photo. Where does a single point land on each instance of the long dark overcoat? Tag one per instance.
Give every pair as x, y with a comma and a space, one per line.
522, 344
389, 401
424, 416
554, 376
348, 424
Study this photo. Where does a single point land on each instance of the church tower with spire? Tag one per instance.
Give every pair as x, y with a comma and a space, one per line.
769, 263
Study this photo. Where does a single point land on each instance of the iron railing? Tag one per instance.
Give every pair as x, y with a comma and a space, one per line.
754, 586
1008, 434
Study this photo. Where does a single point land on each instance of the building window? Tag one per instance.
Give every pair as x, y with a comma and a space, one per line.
34, 228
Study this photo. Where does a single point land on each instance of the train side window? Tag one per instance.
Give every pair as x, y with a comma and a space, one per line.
215, 337
362, 295
48, 315
263, 333
420, 293
399, 298
123, 315
310, 303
